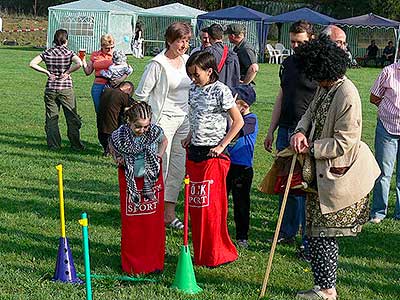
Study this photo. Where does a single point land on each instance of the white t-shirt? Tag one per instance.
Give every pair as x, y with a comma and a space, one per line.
178, 85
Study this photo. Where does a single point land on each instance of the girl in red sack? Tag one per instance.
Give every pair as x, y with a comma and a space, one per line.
210, 104
137, 148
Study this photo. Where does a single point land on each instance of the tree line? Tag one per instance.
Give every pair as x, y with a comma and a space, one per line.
335, 8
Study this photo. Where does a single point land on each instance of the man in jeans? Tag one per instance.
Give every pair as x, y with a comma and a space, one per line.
385, 95
294, 96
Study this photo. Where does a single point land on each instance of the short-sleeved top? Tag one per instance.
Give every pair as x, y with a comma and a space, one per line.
389, 50
241, 150
387, 87
100, 61
112, 104
297, 93
58, 60
372, 50
247, 56
208, 110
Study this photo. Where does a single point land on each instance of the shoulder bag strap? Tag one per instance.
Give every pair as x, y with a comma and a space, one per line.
223, 58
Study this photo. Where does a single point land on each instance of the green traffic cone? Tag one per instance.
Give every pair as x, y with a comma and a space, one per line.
185, 279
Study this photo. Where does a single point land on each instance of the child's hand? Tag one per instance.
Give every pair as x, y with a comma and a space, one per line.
216, 151
120, 161
186, 142
64, 76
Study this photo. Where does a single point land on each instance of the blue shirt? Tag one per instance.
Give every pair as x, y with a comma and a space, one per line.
242, 149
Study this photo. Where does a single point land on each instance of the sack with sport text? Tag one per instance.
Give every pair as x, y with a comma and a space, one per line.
208, 208
142, 228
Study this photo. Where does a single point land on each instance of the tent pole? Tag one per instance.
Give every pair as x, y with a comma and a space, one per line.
397, 35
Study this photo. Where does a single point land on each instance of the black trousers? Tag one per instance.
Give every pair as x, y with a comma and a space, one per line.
239, 181
103, 139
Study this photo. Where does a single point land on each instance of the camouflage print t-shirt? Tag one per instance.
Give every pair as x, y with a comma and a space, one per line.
208, 113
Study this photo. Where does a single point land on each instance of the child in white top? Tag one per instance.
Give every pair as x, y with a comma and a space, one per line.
118, 69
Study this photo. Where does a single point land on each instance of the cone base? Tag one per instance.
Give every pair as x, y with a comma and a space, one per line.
65, 269
185, 279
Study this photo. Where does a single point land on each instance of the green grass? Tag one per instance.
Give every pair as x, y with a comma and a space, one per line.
29, 216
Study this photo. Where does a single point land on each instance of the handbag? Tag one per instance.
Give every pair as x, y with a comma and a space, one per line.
274, 182
267, 184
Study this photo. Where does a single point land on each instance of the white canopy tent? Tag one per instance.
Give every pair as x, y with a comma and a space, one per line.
87, 20
156, 20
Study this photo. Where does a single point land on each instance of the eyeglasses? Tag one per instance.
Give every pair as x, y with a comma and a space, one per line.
340, 43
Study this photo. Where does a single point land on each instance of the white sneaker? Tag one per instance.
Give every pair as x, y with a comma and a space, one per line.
375, 220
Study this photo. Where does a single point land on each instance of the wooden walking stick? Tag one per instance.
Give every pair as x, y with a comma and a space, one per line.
278, 227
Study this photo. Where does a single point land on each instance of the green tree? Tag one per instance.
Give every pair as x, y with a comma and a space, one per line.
386, 8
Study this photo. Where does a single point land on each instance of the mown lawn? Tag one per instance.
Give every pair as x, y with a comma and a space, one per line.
369, 266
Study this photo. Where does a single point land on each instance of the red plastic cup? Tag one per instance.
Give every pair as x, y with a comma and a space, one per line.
82, 53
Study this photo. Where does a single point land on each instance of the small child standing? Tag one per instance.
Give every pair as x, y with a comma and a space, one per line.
118, 68
137, 147
240, 175
210, 104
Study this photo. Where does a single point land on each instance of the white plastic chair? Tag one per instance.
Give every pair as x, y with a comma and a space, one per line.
284, 52
274, 55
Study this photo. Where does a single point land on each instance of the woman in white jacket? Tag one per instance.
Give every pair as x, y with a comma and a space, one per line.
165, 86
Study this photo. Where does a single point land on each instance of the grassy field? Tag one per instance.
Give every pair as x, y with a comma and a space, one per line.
369, 265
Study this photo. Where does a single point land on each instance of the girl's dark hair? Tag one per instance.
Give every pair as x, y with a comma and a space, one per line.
204, 60
321, 59
175, 31
138, 110
60, 37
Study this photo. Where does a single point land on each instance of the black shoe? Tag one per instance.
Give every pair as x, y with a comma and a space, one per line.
78, 148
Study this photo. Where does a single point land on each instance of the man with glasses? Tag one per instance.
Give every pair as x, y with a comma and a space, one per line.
337, 35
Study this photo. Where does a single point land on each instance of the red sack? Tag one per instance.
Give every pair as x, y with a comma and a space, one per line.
142, 229
208, 208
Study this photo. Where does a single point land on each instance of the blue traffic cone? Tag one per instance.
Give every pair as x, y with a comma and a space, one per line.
65, 269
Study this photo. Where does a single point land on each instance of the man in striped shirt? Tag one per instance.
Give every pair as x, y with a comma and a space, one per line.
385, 94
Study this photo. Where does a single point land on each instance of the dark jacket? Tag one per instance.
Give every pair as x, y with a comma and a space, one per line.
230, 73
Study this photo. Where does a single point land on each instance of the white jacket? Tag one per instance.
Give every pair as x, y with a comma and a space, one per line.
153, 86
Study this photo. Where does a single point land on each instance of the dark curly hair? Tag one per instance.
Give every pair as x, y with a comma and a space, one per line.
321, 59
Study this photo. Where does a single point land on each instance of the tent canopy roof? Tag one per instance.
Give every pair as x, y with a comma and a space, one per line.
238, 12
127, 6
302, 14
91, 5
368, 20
174, 9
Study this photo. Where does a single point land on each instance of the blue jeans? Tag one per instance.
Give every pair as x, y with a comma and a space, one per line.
295, 206
387, 154
97, 90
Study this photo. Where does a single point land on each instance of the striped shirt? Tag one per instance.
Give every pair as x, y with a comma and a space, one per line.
58, 60
387, 87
